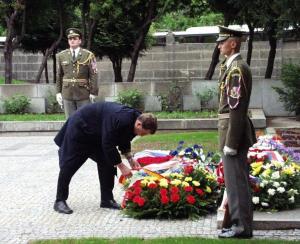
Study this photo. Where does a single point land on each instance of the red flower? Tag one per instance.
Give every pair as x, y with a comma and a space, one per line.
200, 192
137, 190
174, 189
190, 199
163, 192
188, 169
129, 195
139, 200
164, 199
175, 198
137, 183
152, 185
188, 188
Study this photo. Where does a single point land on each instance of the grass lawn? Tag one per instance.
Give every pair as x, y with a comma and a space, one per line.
2, 80
61, 116
168, 140
179, 240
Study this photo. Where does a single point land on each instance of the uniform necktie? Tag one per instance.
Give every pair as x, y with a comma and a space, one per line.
73, 56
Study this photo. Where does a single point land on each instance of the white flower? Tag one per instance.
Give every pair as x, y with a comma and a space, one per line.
265, 182
275, 175
280, 189
292, 199
276, 184
271, 192
255, 200
262, 185
283, 183
265, 204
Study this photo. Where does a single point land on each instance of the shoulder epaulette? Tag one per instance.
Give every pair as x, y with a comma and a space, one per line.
63, 51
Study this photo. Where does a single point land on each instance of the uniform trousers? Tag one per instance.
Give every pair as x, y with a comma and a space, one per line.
106, 175
236, 172
70, 106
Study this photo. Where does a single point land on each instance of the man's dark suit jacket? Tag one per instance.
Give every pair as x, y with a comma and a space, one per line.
96, 131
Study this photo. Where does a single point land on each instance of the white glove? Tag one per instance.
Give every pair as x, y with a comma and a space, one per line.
92, 98
229, 151
59, 99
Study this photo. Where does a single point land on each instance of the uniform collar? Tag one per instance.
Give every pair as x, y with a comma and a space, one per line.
76, 51
230, 59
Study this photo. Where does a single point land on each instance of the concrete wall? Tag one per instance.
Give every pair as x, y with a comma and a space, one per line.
182, 62
263, 96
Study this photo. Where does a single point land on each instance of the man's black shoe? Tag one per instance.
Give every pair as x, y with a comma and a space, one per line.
234, 234
62, 207
112, 204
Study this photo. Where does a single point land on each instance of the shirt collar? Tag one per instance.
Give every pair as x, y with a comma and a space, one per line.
76, 51
230, 59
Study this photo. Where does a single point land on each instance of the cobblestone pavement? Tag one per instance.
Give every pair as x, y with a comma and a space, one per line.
28, 176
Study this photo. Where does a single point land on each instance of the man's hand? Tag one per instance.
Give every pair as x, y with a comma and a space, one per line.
125, 171
229, 151
134, 164
92, 98
59, 99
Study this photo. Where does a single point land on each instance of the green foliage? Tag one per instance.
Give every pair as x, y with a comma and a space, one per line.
172, 101
52, 105
290, 92
206, 96
176, 21
130, 97
2, 81
17, 104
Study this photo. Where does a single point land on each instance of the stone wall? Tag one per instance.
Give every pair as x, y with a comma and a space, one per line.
181, 62
263, 96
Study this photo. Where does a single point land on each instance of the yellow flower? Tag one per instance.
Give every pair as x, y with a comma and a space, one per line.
144, 182
296, 166
208, 189
256, 170
210, 177
188, 179
267, 172
288, 171
277, 164
164, 183
196, 183
184, 184
175, 182
257, 164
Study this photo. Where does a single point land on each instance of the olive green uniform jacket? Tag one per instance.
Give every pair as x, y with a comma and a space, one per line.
77, 79
235, 128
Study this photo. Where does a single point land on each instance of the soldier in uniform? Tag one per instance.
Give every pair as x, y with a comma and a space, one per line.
236, 134
77, 75
97, 131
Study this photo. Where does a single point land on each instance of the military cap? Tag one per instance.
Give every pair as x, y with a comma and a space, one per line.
72, 32
226, 32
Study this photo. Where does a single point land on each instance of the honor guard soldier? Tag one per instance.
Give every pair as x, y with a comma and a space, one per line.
236, 134
77, 75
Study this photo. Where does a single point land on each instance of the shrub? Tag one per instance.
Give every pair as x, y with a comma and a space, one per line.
206, 96
290, 92
52, 104
131, 98
17, 104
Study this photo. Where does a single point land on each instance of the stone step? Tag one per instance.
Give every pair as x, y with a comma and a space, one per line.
289, 219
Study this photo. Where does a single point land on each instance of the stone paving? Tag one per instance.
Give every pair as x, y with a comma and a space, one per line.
28, 176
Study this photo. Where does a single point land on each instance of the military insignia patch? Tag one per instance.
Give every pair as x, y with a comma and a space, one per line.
235, 92
94, 65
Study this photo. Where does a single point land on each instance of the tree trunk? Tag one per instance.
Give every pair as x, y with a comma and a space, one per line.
46, 73
54, 65
272, 52
141, 38
117, 66
213, 64
8, 53
50, 50
250, 43
85, 15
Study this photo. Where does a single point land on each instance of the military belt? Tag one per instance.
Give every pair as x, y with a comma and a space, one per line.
223, 116
76, 80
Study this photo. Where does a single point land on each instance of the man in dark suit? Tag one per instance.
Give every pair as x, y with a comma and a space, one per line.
97, 131
236, 133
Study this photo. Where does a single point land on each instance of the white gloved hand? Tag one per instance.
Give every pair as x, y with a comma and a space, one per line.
92, 98
59, 99
229, 151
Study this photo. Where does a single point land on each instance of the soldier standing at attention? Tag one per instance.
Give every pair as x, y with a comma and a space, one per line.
77, 75
236, 134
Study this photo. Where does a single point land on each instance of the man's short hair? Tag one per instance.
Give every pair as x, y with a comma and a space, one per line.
149, 122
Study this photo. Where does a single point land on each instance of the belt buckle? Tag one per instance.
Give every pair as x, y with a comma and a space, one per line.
73, 80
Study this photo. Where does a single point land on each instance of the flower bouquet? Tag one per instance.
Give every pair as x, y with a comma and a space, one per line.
275, 176
188, 189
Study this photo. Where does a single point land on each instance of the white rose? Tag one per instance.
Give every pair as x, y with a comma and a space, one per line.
255, 200
275, 175
280, 189
265, 204
276, 184
271, 192
292, 199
